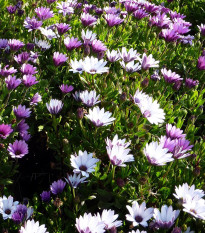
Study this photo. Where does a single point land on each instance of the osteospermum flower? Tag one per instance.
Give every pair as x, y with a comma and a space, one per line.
49, 33
137, 231
92, 65
44, 13
65, 8
113, 20
202, 29
21, 213
182, 146
45, 196
62, 28
66, 89
169, 76
5, 131
173, 132
98, 46
28, 69
201, 63
18, 149
128, 56
29, 80
99, 117
31, 226
59, 58
6, 72
72, 43
131, 67
139, 214
190, 83
83, 163
15, 44
44, 45
88, 20
12, 82
88, 36
170, 35
113, 55
148, 62
74, 180
21, 112
109, 218
36, 99
32, 24
22, 57
55, 106
89, 98
156, 154
140, 14
7, 207
3, 43
77, 66
165, 218
57, 186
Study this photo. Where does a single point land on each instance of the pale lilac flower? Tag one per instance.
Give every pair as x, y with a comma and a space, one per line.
130, 67
49, 33
66, 89
12, 82
57, 187
21, 111
148, 62
169, 76
32, 24
111, 10
156, 154
173, 132
7, 207
113, 20
182, 146
128, 56
76, 96
54, 106
77, 66
6, 72
201, 63
33, 56
170, 35
83, 163
113, 55
5, 131
22, 126
186, 39
45, 196
88, 20
165, 218
74, 180
33, 227
18, 149
151, 8
155, 76
92, 65
140, 14
29, 80
15, 44
89, 98
160, 20
22, 57
98, 46
3, 43
44, 13
28, 69
109, 218
59, 58
72, 43
202, 29
65, 8
88, 36
35, 99
168, 143
131, 6
62, 28
25, 136
44, 45
139, 214
99, 117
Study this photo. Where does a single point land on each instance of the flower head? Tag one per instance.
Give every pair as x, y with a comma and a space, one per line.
77, 66
173, 132
201, 63
98, 46
5, 131
74, 180
55, 106
182, 146
3, 43
128, 56
57, 186
18, 149
131, 67
22, 57
12, 82
92, 65
44, 45
15, 45
59, 58
29, 80
202, 29
89, 98
109, 218
7, 207
33, 227
62, 28
21, 112
72, 43
88, 36
35, 99
32, 24
66, 89
44, 13
6, 72
190, 83
113, 55
28, 69
88, 20
170, 77
113, 20
148, 62
45, 196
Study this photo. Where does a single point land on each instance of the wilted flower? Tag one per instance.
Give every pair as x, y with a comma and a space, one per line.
74, 180
5, 131
21, 111
89, 98
59, 58
12, 82
55, 106
7, 206
45, 196
57, 186
18, 149
44, 13
33, 227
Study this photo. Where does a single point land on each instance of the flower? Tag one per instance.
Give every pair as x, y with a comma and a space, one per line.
131, 55
15, 44
21, 213
66, 89
139, 97
170, 35
65, 8
5, 131
49, 33
22, 57
201, 63
77, 66
130, 67
44, 13
99, 117
169, 76
116, 141
55, 106
32, 24
35, 99
72, 43
33, 227
148, 62
137, 231
45, 196
6, 72
22, 126
88, 20
12, 82
88, 36
131, 6
7, 207
74, 180
89, 224
108, 217
89, 98
57, 186
44, 45
113, 55
62, 28
190, 83
139, 214
113, 20
83, 163
29, 80
98, 46
165, 218
3, 43
181, 147
92, 65
173, 132
28, 69
18, 149
188, 230
21, 111
11, 9
156, 154
202, 29
59, 58
168, 143
140, 14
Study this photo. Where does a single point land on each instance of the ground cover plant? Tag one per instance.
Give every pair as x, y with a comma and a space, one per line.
101, 116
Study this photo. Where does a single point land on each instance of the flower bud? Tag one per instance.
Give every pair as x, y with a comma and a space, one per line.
86, 49
123, 96
197, 171
57, 202
145, 82
2, 146
198, 35
169, 202
80, 113
176, 230
143, 180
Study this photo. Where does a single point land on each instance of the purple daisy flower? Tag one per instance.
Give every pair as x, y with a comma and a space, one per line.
21, 112
62, 28
202, 29
170, 77
15, 45
151, 8
57, 187
55, 106
88, 20
32, 23
181, 148
20, 213
30, 46
28, 69
72, 43
113, 20
190, 83
140, 14
18, 149
131, 6
22, 57
35, 99
5, 131
29, 80
148, 62
201, 63
45, 196
98, 46
169, 35
6, 72
66, 89
12, 82
11, 9
168, 143
173, 132
59, 58
25, 136
22, 127
51, 1
3, 43
44, 13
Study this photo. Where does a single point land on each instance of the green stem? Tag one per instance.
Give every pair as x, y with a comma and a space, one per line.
113, 172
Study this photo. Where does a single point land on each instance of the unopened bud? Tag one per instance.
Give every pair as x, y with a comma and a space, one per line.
143, 180
13, 121
145, 82
176, 230
123, 96
2, 146
86, 49
197, 171
80, 113
169, 202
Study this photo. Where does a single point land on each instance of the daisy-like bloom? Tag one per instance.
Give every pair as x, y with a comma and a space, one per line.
98, 46
88, 20
22, 127
186, 39
21, 111
74, 180
89, 98
201, 63
76, 96
55, 106
131, 55
22, 57
160, 20
165, 218
32, 24
131, 6
29, 80
88, 36
156, 154
35, 99
113, 20
44, 45
77, 66
6, 72
72, 43
12, 82
62, 28
45, 196
138, 97
5, 131
139, 214
15, 45
185, 192
7, 207
109, 218
99, 117
168, 143
28, 69
21, 213
140, 14
113, 55
30, 46
83, 163
202, 29
173, 132
195, 207
33, 57
170, 35
11, 9
190, 83
116, 141
170, 77
3, 43
57, 186
92, 65
33, 227
89, 224
131, 67
66, 89
59, 58
137, 231
48, 33
182, 146
44, 13
148, 62
65, 8
18, 149
151, 8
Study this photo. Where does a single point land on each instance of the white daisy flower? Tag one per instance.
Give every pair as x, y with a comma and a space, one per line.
139, 97
83, 163
116, 141
7, 207
109, 217
99, 117
88, 36
130, 67
42, 44
89, 98
94, 66
77, 66
33, 227
48, 33
148, 62
113, 55
129, 56
156, 154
